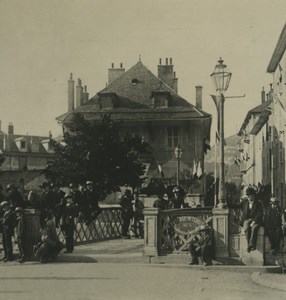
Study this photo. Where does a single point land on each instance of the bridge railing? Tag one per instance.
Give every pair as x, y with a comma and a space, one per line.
169, 231
106, 226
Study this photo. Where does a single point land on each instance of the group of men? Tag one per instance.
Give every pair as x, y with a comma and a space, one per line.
253, 216
11, 220
57, 209
132, 214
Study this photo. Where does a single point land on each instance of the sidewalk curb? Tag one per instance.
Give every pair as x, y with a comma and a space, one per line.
257, 278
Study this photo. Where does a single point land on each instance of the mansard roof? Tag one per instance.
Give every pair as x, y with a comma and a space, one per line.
132, 93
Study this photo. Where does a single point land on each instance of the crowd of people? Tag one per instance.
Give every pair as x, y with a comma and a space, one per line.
57, 209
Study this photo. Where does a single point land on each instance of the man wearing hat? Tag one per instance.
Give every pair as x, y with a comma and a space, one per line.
177, 201
75, 194
68, 223
273, 224
20, 233
7, 224
14, 197
91, 207
251, 217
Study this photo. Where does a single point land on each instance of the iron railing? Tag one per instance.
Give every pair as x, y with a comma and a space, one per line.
106, 226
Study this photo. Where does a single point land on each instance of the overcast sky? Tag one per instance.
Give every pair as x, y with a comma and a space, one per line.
43, 41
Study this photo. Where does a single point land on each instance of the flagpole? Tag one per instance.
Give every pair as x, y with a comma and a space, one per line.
215, 172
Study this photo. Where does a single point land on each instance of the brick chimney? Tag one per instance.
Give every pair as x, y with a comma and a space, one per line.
10, 128
78, 99
175, 83
199, 97
262, 96
85, 95
70, 93
165, 72
114, 73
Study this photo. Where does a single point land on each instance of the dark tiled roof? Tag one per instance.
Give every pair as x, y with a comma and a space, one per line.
256, 110
278, 51
134, 101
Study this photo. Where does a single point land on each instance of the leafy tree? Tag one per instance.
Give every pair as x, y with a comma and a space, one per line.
97, 151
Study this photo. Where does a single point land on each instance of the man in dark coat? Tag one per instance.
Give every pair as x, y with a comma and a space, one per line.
127, 212
273, 224
177, 200
14, 197
161, 202
91, 208
59, 196
7, 224
251, 218
48, 202
201, 245
68, 223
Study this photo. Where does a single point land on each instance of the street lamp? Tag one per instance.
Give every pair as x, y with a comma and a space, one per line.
221, 78
178, 154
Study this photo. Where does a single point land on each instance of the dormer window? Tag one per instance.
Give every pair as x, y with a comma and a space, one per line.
107, 100
23, 144
135, 81
160, 99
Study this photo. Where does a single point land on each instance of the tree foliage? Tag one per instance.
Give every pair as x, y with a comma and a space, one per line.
97, 151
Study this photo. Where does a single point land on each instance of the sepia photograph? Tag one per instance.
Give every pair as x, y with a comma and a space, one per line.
143, 149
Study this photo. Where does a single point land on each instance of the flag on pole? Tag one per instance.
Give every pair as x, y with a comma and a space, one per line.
206, 145
199, 171
195, 170
218, 139
160, 170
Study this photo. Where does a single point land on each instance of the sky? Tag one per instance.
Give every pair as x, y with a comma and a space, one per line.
42, 42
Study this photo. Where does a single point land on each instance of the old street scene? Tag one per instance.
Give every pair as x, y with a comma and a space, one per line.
142, 149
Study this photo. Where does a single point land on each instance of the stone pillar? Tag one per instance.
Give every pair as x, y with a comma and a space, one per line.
152, 232
220, 227
255, 257
31, 231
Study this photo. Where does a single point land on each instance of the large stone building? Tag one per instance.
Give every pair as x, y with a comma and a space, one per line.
150, 107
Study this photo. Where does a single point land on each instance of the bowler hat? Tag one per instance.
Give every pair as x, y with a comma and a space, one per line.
250, 191
72, 185
4, 203
274, 200
18, 209
89, 183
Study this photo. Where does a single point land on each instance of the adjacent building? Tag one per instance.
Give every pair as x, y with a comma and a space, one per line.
262, 133
25, 158
149, 106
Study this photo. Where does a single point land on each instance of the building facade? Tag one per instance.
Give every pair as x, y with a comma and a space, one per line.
24, 152
277, 67
149, 106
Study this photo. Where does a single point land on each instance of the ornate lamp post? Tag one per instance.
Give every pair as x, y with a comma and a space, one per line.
221, 78
178, 154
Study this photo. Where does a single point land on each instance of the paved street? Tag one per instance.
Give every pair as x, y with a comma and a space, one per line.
120, 281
